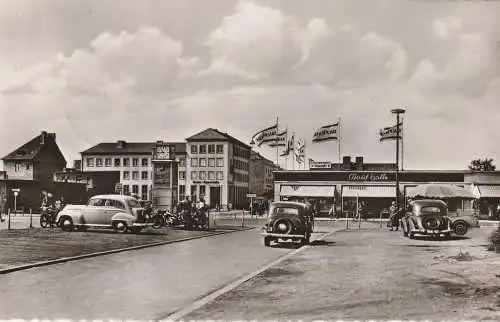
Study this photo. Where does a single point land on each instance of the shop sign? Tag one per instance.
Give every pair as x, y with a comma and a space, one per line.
164, 152
367, 177
320, 164
205, 182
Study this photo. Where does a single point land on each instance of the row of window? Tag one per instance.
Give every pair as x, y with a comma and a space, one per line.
240, 152
207, 175
117, 162
238, 164
241, 177
212, 162
134, 189
207, 148
135, 175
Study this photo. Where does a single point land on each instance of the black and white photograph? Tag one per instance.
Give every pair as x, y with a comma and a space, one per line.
249, 160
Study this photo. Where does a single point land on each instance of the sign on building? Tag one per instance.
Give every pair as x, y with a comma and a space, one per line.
319, 164
164, 152
162, 174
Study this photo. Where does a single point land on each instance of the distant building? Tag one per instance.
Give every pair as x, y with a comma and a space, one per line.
132, 160
36, 160
98, 182
218, 169
261, 180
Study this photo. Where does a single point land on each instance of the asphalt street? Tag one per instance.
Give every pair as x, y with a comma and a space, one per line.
144, 284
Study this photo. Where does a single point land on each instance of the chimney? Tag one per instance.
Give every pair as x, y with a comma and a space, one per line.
346, 163
43, 137
121, 144
359, 163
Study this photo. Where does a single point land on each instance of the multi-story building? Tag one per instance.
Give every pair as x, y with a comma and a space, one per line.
217, 168
35, 160
132, 160
261, 175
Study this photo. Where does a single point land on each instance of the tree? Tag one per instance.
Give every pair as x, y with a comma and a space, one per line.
482, 165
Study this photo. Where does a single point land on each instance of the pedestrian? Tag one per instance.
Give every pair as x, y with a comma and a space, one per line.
331, 213
3, 202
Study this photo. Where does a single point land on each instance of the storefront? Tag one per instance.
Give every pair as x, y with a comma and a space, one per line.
321, 195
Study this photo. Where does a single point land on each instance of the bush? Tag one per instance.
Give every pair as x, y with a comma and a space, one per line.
494, 241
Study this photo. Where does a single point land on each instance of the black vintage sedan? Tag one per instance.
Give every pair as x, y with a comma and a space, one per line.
427, 217
288, 221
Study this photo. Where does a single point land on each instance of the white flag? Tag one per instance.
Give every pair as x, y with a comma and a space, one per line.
391, 132
289, 147
326, 133
300, 151
280, 139
265, 136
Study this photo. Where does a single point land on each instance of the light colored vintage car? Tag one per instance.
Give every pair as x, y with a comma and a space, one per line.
122, 213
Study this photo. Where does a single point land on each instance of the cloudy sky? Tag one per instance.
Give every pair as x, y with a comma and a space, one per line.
143, 70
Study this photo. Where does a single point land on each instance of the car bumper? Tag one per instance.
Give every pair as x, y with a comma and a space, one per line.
431, 231
267, 234
136, 224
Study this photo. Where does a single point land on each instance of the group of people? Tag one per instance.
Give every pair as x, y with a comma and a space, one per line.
194, 214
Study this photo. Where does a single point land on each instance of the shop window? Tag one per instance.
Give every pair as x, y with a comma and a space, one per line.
202, 191
211, 162
107, 162
194, 149
194, 175
203, 175
203, 149
203, 162
211, 148
220, 162
211, 175
126, 162
117, 162
126, 175
135, 162
145, 162
194, 162
219, 175
135, 175
90, 162
220, 148
144, 175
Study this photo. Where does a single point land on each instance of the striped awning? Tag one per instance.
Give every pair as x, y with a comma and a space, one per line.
307, 191
366, 191
489, 191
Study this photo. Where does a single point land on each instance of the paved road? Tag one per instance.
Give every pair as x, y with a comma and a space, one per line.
371, 275
144, 284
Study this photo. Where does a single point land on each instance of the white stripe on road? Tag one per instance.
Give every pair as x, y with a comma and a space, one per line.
176, 316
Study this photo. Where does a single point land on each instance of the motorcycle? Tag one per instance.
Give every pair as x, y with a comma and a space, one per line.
48, 217
395, 220
199, 219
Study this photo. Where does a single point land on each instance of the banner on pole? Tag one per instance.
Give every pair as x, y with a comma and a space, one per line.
280, 139
326, 133
265, 136
391, 132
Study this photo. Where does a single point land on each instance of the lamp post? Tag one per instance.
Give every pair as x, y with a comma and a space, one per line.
397, 111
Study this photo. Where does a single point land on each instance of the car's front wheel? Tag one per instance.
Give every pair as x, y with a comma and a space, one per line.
120, 226
66, 224
460, 228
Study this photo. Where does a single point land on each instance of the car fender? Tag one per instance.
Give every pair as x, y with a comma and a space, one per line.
75, 215
124, 216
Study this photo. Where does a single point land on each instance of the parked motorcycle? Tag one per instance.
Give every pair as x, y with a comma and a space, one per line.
48, 217
395, 220
199, 219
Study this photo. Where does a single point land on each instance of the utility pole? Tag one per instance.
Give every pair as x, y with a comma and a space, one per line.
397, 111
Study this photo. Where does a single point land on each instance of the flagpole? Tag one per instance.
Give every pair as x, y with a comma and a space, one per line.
277, 145
293, 153
338, 136
402, 144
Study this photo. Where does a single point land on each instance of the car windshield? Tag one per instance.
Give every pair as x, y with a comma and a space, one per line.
132, 203
284, 210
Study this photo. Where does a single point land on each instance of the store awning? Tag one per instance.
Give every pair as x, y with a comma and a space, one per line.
365, 191
487, 191
307, 191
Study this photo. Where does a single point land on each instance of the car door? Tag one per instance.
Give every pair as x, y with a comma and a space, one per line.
94, 211
112, 208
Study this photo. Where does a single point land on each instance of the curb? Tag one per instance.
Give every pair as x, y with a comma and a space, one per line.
109, 252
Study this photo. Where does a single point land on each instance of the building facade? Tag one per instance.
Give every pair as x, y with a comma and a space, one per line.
131, 159
373, 185
261, 178
217, 168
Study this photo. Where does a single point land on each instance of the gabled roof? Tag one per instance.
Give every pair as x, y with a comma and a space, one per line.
130, 148
33, 149
212, 134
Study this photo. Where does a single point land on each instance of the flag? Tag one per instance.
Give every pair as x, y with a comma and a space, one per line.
391, 132
289, 146
280, 139
265, 136
300, 151
326, 133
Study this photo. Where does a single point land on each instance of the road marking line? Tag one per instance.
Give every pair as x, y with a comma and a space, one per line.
176, 316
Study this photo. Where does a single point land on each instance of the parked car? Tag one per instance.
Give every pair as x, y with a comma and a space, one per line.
122, 213
426, 217
288, 221
461, 223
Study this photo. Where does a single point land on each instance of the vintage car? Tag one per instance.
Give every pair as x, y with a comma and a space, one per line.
288, 221
426, 217
461, 223
122, 213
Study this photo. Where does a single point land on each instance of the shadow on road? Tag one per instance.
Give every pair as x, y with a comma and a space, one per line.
322, 243
451, 238
111, 232
287, 245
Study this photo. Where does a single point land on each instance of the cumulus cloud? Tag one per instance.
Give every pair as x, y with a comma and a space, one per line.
447, 27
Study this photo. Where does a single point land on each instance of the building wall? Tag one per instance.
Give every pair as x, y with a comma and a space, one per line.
44, 171
19, 170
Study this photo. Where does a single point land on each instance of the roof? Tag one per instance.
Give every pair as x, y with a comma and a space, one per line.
130, 148
257, 156
35, 148
212, 134
114, 197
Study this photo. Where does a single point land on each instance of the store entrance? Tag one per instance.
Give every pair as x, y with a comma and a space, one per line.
215, 197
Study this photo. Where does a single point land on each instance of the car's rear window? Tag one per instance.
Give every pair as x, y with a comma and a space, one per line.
434, 210
284, 210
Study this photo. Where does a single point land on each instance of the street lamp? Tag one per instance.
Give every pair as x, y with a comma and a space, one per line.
397, 111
